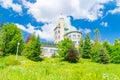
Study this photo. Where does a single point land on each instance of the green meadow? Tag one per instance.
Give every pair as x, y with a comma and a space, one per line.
55, 69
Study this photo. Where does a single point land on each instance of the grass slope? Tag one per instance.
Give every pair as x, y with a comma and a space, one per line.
54, 69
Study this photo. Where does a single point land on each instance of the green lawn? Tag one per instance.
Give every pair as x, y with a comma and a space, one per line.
55, 69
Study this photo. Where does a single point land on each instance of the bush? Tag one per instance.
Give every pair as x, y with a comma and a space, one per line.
103, 57
115, 55
54, 55
72, 55
63, 46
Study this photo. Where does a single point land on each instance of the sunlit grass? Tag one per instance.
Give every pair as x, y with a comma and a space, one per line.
55, 69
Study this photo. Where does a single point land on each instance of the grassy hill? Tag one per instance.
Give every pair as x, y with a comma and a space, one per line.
55, 69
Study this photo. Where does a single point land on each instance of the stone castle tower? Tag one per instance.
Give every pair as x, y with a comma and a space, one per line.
59, 31
62, 31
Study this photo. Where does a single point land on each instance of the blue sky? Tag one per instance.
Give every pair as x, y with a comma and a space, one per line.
41, 16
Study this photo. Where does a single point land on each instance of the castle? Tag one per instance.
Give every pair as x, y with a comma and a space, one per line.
61, 31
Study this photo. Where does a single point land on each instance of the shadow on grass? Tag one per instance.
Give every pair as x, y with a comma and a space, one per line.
2, 67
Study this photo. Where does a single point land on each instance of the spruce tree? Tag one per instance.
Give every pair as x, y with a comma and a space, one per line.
87, 47
96, 45
95, 50
102, 56
81, 44
33, 48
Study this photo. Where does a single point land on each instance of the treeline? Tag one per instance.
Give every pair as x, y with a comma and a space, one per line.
11, 38
101, 52
97, 51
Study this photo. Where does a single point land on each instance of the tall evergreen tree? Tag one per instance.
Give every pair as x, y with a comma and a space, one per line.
81, 44
87, 47
96, 45
108, 47
33, 48
11, 35
95, 50
97, 35
102, 56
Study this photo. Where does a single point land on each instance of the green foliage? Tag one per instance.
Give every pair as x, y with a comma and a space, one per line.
115, 55
97, 34
72, 55
108, 47
33, 48
11, 35
87, 47
81, 44
95, 50
103, 57
54, 69
63, 46
55, 55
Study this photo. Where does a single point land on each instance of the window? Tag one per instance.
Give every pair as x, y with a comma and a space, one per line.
74, 36
45, 50
78, 36
53, 51
69, 36
75, 42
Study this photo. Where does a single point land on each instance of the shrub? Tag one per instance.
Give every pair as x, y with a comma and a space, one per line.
54, 55
115, 55
103, 57
63, 46
72, 55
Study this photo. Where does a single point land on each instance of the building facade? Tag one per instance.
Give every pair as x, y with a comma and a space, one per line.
61, 31
48, 49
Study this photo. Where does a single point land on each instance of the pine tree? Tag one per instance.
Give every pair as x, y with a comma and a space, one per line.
96, 45
95, 50
102, 56
87, 47
81, 44
33, 48
108, 47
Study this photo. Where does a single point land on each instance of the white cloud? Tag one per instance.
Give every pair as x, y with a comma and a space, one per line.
47, 30
47, 10
117, 9
105, 24
29, 29
85, 31
9, 4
